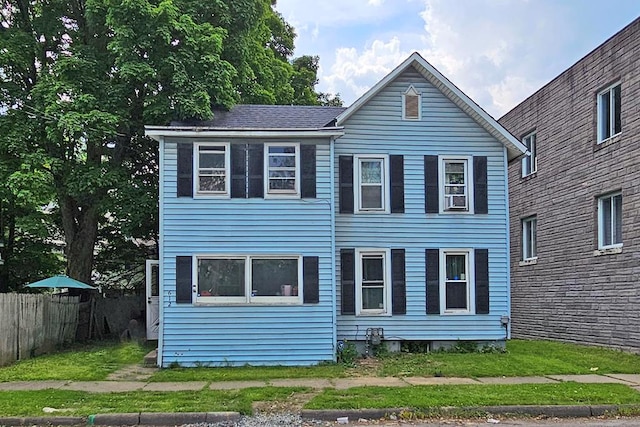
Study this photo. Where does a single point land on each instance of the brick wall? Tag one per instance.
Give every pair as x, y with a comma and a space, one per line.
571, 294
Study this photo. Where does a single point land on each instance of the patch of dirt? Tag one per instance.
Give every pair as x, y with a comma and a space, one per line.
292, 404
365, 367
132, 373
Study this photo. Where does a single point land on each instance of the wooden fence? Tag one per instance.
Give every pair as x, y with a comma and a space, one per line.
34, 324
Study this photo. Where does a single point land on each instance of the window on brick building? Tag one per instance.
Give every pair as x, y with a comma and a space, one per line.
610, 221
609, 106
530, 161
529, 238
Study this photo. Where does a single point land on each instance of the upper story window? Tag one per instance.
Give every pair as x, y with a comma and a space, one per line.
212, 169
411, 101
455, 184
249, 279
610, 221
371, 184
609, 106
373, 282
530, 161
282, 166
455, 289
529, 238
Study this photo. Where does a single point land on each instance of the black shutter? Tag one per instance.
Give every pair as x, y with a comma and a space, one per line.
311, 281
431, 189
183, 280
396, 166
346, 184
185, 169
308, 166
432, 257
348, 281
398, 282
482, 281
256, 170
480, 185
239, 171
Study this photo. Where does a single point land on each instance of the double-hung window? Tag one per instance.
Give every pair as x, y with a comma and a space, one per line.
373, 279
609, 109
212, 166
455, 184
282, 166
529, 238
249, 279
455, 289
371, 184
530, 161
610, 221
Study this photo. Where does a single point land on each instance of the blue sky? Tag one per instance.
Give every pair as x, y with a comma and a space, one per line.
497, 51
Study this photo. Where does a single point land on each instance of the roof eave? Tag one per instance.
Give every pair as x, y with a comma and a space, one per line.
156, 132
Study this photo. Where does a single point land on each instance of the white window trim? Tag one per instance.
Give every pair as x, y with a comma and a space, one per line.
609, 91
386, 311
386, 184
196, 170
601, 224
469, 184
281, 194
412, 92
533, 155
471, 289
247, 299
526, 240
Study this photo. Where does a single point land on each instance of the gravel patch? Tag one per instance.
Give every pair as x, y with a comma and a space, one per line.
267, 420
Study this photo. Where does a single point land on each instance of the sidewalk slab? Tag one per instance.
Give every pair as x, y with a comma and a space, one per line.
631, 378
344, 383
175, 386
586, 379
439, 381
318, 383
104, 386
236, 385
31, 385
516, 380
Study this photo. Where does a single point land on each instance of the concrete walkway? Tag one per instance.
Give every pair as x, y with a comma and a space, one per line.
632, 380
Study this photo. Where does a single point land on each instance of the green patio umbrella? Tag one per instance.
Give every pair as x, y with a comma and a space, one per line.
60, 281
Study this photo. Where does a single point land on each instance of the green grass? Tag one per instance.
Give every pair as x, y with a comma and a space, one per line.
77, 403
248, 373
424, 397
523, 358
81, 363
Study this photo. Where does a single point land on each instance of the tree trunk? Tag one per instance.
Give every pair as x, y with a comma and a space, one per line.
81, 230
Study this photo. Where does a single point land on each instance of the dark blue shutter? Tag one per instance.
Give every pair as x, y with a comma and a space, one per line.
185, 170
480, 185
311, 280
348, 281
308, 166
396, 166
398, 282
256, 170
432, 258
431, 189
183, 280
482, 280
346, 184
239, 171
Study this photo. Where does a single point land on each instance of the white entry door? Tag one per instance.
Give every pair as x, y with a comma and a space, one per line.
153, 298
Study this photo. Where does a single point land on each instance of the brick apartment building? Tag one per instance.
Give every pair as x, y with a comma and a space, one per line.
575, 201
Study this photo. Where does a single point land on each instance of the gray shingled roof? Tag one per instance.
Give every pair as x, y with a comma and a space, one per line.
246, 116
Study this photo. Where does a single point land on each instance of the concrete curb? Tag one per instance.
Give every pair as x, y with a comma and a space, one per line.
130, 419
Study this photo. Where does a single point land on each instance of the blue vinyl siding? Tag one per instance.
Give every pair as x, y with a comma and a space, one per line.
239, 334
377, 128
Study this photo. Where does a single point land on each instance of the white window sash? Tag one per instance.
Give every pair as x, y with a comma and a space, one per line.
281, 193
386, 285
469, 281
208, 172
384, 184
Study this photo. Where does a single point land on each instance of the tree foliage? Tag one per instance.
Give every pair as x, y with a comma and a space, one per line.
79, 79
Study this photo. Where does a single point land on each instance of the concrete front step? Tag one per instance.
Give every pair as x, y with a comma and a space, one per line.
151, 359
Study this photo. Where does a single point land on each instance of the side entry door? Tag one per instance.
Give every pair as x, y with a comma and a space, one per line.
153, 298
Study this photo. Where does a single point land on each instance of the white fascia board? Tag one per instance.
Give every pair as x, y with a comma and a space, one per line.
156, 132
515, 148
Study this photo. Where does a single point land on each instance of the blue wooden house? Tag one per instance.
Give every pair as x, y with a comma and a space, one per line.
285, 229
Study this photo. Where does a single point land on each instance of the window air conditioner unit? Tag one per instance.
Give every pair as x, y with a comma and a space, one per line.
455, 202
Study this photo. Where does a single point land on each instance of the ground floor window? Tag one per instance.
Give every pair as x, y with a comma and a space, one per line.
610, 221
249, 279
455, 279
373, 290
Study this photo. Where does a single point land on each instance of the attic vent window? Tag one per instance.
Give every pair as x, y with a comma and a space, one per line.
411, 104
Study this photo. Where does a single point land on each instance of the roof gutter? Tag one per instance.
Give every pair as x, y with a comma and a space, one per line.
156, 132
